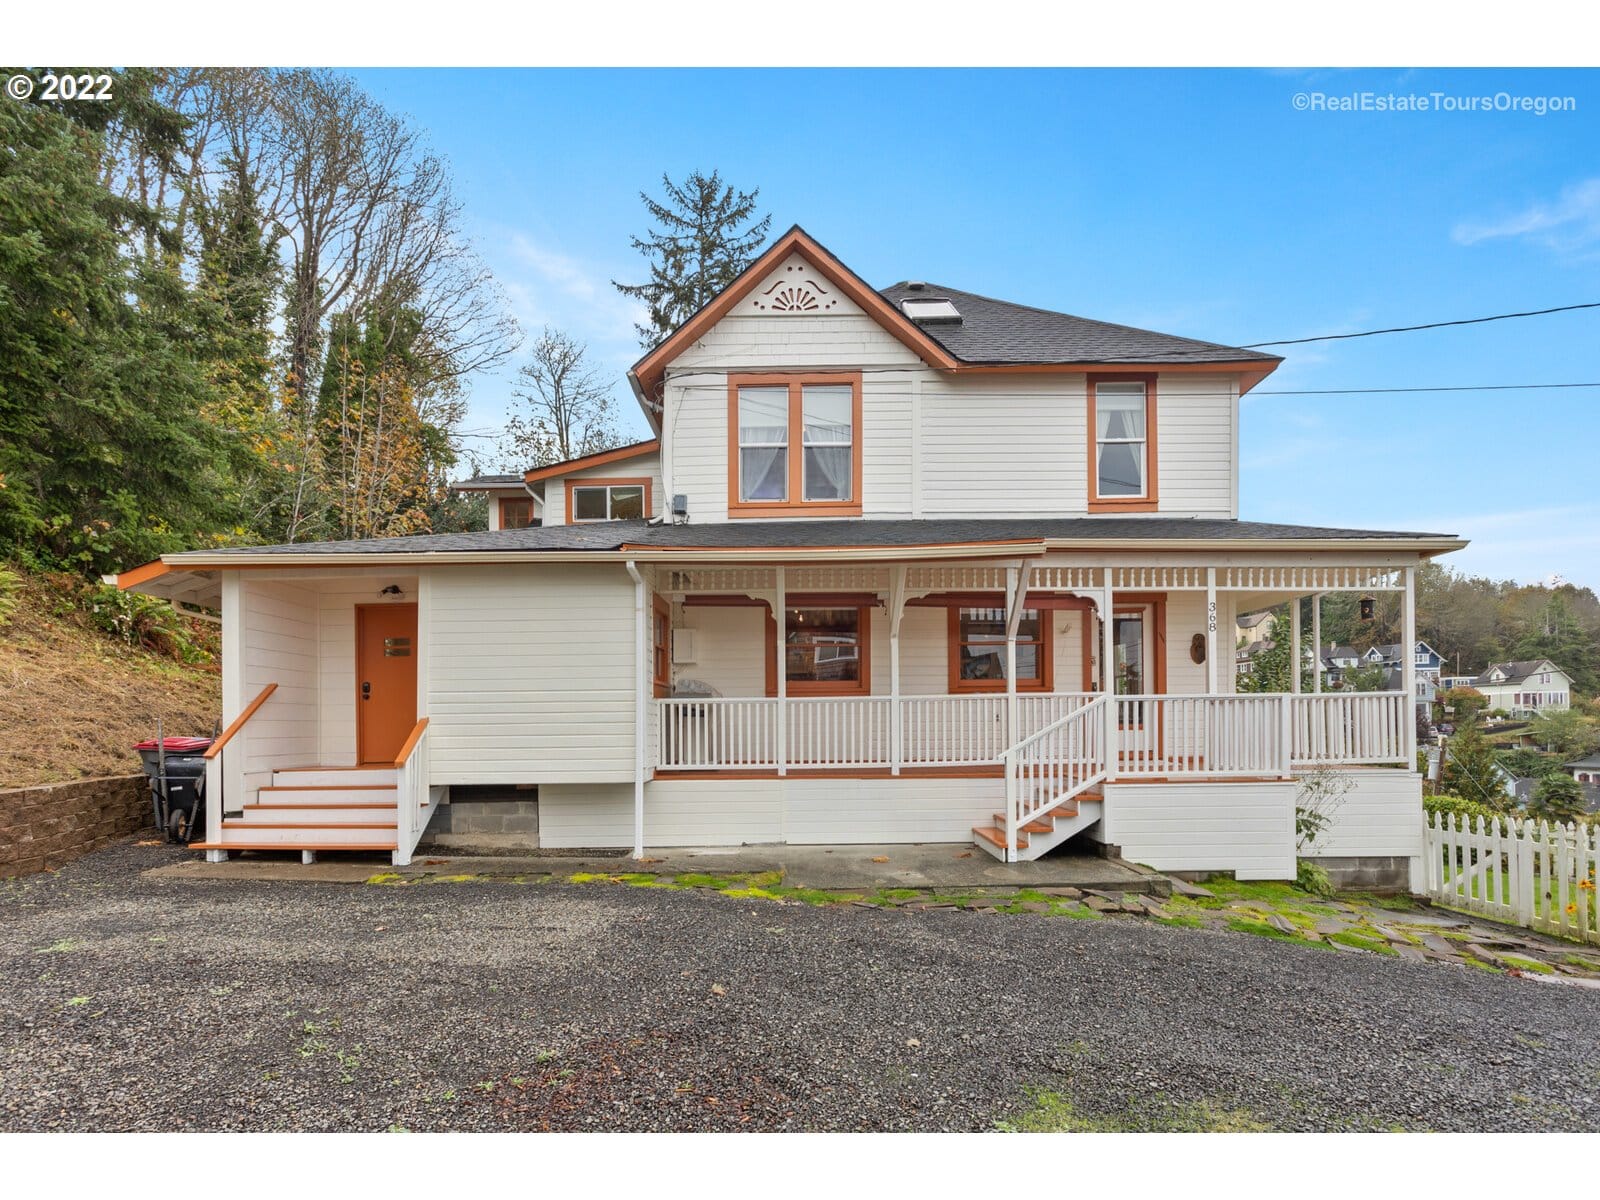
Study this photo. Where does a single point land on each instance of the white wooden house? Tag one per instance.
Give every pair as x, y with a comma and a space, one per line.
1526, 688
910, 565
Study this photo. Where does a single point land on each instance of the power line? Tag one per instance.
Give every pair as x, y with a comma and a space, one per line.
1487, 387
1336, 337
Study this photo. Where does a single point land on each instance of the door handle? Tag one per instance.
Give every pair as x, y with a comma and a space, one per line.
366, 691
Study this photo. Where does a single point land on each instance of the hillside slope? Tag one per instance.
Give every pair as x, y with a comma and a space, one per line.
74, 699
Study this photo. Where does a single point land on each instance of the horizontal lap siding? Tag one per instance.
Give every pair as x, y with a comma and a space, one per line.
732, 812
1004, 446
1247, 828
531, 674
1194, 432
1381, 815
278, 641
730, 648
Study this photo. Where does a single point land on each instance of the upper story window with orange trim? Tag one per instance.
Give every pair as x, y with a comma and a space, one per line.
1122, 443
794, 445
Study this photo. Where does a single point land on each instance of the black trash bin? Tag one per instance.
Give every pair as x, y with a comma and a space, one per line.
178, 796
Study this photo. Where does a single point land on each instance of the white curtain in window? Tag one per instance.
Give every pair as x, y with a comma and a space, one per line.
763, 443
827, 416
1119, 412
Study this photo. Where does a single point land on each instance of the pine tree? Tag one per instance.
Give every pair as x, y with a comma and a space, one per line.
707, 234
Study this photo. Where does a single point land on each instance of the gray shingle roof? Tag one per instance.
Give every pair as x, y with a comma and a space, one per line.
612, 535
487, 481
1516, 672
997, 331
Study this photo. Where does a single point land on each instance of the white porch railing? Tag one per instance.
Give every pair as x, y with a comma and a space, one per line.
411, 793
1048, 768
1340, 729
1267, 735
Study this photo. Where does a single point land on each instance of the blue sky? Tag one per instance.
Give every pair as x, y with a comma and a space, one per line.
1195, 202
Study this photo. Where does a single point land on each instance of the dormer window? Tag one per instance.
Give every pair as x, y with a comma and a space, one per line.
1122, 459
794, 445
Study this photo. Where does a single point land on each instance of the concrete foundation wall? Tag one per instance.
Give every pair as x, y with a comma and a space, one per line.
42, 828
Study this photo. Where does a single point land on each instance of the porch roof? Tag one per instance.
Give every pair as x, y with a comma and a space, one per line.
894, 538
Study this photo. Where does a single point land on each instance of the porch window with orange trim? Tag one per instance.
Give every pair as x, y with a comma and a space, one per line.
825, 650
661, 645
795, 444
978, 650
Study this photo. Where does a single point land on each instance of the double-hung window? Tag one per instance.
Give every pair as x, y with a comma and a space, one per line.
795, 444
1122, 459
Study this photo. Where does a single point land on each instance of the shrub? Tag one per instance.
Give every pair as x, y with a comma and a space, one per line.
1312, 877
140, 621
1558, 799
1452, 806
10, 585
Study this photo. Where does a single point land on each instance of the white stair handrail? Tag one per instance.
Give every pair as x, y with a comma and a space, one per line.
1048, 768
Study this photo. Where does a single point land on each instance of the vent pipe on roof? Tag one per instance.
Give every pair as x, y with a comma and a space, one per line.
916, 285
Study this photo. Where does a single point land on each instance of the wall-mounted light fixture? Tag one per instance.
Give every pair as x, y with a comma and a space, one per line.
392, 590
1369, 608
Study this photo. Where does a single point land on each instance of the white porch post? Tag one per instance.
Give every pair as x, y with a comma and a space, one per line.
641, 709
1408, 668
1016, 590
897, 608
1211, 631
780, 622
1108, 681
1294, 642
1316, 642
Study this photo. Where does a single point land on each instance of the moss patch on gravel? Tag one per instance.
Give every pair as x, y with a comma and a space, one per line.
1051, 1112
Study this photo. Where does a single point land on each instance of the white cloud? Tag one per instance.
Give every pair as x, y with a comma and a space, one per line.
1570, 222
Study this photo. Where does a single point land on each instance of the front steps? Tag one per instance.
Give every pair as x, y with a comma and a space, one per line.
1042, 834
317, 808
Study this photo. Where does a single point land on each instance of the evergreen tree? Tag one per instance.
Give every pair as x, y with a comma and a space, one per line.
1558, 799
1469, 769
105, 459
707, 234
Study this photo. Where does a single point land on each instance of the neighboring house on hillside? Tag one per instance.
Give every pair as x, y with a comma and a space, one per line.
1525, 688
1587, 772
945, 568
1254, 628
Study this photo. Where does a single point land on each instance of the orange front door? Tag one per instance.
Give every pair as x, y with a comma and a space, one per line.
386, 679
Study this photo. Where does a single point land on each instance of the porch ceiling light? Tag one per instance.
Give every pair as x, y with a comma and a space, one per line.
392, 590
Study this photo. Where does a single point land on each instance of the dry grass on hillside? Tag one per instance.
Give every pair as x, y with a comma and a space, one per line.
73, 700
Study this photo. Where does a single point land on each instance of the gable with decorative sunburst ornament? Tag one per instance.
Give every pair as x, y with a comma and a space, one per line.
796, 289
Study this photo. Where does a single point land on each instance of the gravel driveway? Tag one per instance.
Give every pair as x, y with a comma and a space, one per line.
131, 1003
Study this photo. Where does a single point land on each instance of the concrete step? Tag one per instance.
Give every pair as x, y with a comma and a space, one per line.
334, 776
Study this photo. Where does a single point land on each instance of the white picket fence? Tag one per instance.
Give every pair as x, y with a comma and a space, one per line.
1517, 870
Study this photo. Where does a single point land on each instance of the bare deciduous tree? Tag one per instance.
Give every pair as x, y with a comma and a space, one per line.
569, 409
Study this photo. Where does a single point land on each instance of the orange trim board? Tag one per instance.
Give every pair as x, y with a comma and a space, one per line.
598, 459
141, 574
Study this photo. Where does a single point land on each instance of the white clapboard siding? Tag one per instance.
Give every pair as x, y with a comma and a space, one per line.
1380, 815
531, 674
1195, 444
732, 812
1246, 828
646, 466
278, 644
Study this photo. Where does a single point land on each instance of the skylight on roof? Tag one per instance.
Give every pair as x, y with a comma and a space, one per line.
931, 310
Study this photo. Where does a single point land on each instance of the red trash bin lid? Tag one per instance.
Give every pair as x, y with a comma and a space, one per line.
176, 745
